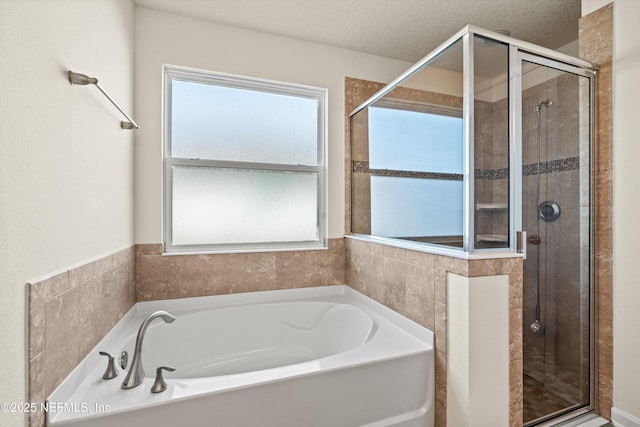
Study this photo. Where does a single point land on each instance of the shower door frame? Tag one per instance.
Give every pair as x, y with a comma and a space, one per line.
517, 56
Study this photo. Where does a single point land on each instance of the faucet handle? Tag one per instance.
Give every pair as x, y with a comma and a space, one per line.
159, 385
111, 371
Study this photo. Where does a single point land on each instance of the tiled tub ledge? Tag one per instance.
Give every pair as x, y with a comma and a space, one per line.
433, 249
68, 313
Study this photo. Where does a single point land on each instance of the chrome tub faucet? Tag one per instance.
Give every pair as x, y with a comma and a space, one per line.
136, 372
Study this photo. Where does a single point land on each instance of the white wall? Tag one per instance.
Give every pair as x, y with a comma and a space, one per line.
589, 6
477, 350
626, 269
66, 177
163, 38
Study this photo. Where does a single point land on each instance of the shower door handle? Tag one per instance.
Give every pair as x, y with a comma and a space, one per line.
521, 243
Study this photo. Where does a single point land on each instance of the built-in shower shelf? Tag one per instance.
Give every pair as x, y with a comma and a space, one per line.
492, 207
493, 238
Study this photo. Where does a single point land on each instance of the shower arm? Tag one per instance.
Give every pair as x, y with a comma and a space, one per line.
82, 79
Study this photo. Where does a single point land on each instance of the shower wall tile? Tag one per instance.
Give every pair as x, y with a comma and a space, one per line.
596, 45
605, 395
441, 388
515, 334
69, 313
388, 274
604, 143
595, 34
356, 91
515, 392
604, 109
395, 279
420, 293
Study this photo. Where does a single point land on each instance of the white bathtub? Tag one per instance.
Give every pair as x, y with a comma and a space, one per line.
326, 356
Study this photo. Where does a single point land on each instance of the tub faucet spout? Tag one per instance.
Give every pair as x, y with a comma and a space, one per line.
136, 372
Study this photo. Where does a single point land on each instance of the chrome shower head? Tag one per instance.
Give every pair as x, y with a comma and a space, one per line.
548, 103
81, 79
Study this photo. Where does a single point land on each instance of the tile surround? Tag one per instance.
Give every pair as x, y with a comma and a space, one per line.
596, 45
80, 305
180, 276
76, 307
414, 284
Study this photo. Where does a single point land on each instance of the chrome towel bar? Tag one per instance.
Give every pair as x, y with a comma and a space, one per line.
82, 80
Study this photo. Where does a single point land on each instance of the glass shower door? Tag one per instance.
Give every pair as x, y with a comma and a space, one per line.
555, 189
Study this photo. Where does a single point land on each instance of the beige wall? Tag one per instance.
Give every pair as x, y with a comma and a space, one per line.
66, 174
163, 38
626, 270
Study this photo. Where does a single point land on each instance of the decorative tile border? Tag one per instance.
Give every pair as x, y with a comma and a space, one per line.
550, 166
559, 165
492, 174
362, 166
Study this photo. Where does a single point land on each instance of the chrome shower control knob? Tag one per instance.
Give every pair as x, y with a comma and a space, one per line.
537, 328
159, 385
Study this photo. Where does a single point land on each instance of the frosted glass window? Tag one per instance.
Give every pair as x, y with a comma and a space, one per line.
244, 166
415, 141
243, 206
209, 121
412, 208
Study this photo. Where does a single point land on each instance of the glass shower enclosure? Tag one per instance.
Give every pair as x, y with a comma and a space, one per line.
484, 147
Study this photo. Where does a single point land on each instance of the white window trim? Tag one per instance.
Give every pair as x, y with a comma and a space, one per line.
171, 72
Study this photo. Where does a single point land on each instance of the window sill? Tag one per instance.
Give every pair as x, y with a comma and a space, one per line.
210, 250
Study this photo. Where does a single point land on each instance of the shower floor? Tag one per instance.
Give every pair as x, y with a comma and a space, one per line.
539, 402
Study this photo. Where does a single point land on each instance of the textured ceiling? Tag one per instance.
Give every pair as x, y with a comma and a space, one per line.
400, 29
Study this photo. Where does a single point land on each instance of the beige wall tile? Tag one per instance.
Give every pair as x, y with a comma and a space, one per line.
381, 270
81, 274
596, 45
515, 387
420, 295
36, 391
179, 276
92, 318
62, 330
69, 313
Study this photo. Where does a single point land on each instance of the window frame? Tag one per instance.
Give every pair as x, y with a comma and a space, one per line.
170, 73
